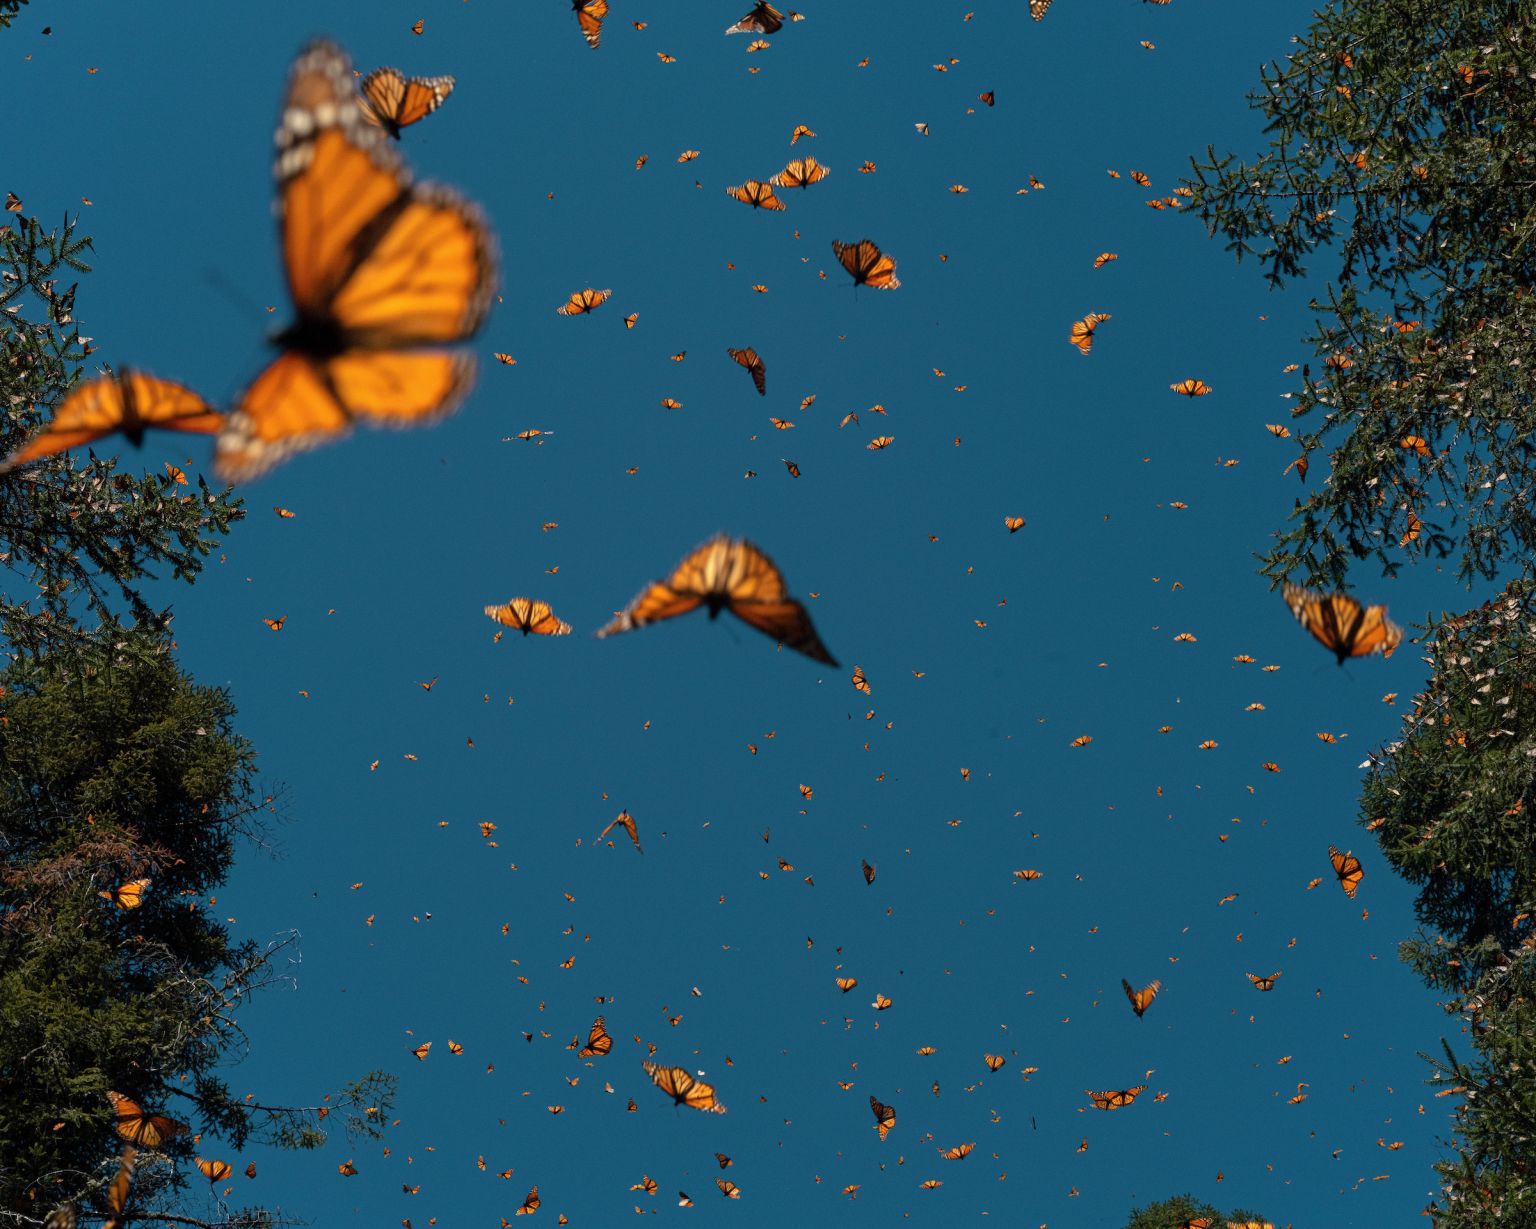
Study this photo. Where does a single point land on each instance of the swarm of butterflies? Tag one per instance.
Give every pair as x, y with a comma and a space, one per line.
387, 276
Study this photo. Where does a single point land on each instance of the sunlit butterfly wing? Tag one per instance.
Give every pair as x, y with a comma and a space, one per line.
763, 19
529, 617
126, 401
867, 264
1348, 869
1037, 8
382, 271
885, 1116
141, 1129
1342, 625
598, 1040
589, 16
395, 101
748, 358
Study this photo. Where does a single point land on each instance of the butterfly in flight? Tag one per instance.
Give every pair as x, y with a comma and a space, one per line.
801, 173
1264, 984
683, 1088
885, 1117
763, 19
1347, 867
598, 1040
140, 1129
626, 821
529, 617
1341, 624
1083, 330
126, 401
1141, 999
589, 15
131, 894
393, 101
1114, 1099
867, 264
584, 301
748, 358
382, 271
757, 194
727, 574
1037, 9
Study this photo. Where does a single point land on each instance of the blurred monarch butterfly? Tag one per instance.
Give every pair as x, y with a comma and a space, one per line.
728, 1188
1114, 1099
846, 984
758, 195
867, 264
584, 301
598, 1040
683, 1201
1027, 873
683, 1088
1191, 388
723, 1161
1082, 740
626, 821
868, 869
589, 16
880, 442
422, 1051
1141, 999
990, 98
994, 1061
763, 19
800, 131
125, 401
1081, 334
753, 364
393, 100
126, 896
1265, 984
930, 1184
116, 1197
1014, 523
801, 173
1341, 624
885, 1117
860, 682
1037, 8
214, 1171
419, 28
65, 1216
957, 1153
1417, 443
529, 617
881, 1002
1103, 258
141, 1129
1347, 867
531, 1200
727, 574
380, 270
276, 624
347, 1170
629, 320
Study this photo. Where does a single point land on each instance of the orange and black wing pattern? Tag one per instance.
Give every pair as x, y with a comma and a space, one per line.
1037, 9
126, 401
748, 358
1114, 1099
1082, 331
727, 574
395, 101
801, 173
139, 1128
529, 617
589, 15
1141, 999
763, 19
885, 1116
584, 301
598, 1040
1342, 625
383, 272
678, 1084
867, 264
757, 194
1348, 869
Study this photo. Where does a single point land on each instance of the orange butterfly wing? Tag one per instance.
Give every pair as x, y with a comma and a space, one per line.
395, 101
139, 1128
126, 401
1342, 625
589, 15
749, 359
529, 617
1348, 869
377, 267
598, 1040
885, 1117
867, 264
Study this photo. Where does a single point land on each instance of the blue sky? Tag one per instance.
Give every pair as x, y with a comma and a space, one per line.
399, 540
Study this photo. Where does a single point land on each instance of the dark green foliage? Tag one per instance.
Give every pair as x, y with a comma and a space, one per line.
1181, 1210
81, 531
1454, 804
1403, 153
8, 11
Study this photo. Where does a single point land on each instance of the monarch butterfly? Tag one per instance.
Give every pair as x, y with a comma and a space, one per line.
957, 1153
529, 617
1027, 873
126, 896
727, 574
867, 264
723, 1161
589, 15
846, 984
757, 194
1347, 867
879, 442
141, 1129
1082, 331
1141, 999
1014, 523
393, 100
885, 1117
1114, 1099
881, 1001
1264, 984
626, 821
728, 1188
763, 19
584, 301
994, 1061
1103, 258
860, 682
930, 1184
990, 98
276, 624
1037, 8
800, 131
598, 1040
214, 1171
1340, 623
125, 401
380, 269
683, 1088
117, 1192
1191, 388
801, 173
868, 869
65, 1216
531, 1203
